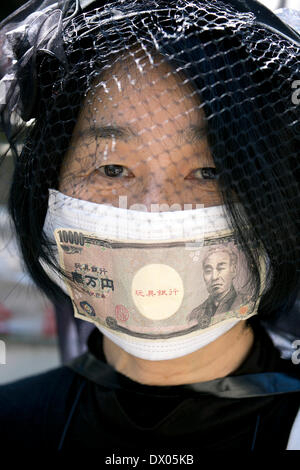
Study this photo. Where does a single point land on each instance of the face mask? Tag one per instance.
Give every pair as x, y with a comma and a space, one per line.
159, 285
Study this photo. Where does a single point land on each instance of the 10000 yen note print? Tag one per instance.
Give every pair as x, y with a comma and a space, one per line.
158, 289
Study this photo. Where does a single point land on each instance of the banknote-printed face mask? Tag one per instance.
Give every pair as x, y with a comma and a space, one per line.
165, 276
160, 285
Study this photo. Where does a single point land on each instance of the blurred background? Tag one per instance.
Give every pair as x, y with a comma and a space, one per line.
27, 319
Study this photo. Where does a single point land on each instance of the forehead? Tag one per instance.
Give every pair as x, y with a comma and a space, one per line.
144, 90
218, 256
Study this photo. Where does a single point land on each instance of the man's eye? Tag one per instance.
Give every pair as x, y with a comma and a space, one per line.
114, 171
206, 173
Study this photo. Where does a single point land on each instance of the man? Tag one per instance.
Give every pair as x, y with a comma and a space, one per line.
219, 271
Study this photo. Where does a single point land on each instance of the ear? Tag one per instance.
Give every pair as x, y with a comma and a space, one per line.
234, 269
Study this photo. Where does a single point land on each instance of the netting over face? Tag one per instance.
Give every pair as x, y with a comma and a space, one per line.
170, 105
149, 123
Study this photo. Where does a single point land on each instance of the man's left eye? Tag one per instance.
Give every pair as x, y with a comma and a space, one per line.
206, 173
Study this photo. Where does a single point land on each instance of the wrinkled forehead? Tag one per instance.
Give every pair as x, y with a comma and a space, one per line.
144, 89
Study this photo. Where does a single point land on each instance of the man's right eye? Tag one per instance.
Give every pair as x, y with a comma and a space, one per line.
115, 171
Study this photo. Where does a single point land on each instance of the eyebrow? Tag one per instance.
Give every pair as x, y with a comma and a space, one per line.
193, 133
109, 132
222, 263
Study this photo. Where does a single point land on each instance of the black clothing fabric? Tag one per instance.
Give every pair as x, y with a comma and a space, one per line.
62, 409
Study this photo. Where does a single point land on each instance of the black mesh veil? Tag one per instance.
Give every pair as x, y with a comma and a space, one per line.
164, 102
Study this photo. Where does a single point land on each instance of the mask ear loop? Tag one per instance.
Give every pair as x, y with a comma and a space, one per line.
75, 403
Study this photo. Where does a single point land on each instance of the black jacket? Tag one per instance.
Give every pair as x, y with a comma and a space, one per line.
88, 405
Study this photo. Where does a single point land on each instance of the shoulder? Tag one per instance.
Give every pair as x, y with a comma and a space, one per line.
44, 382
239, 299
27, 404
199, 310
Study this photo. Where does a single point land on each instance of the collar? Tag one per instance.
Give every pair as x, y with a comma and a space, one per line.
279, 378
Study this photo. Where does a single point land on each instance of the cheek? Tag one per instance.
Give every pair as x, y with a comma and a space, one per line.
227, 276
206, 193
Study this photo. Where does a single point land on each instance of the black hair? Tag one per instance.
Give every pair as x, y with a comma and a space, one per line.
253, 133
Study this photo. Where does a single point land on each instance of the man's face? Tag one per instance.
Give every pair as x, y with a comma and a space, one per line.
150, 129
218, 273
